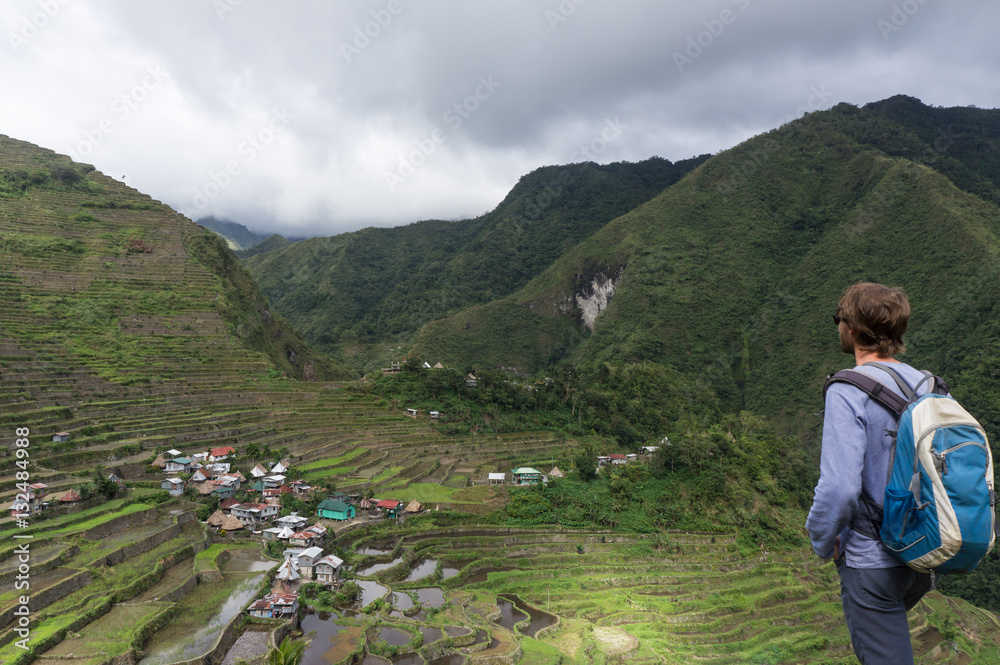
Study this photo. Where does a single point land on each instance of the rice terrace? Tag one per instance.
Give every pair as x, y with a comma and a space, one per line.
189, 479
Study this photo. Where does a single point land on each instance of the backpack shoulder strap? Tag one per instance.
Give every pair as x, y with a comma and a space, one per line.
909, 393
936, 383
873, 388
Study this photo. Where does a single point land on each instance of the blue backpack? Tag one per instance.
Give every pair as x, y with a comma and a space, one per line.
938, 510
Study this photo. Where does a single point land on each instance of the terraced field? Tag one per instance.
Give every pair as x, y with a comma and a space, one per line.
97, 599
122, 324
690, 598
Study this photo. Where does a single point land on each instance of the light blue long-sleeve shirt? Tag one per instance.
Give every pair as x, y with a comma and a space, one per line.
854, 459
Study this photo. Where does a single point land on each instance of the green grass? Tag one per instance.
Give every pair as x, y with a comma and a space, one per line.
386, 473
538, 653
52, 526
333, 461
207, 559
110, 635
101, 519
422, 492
456, 481
327, 472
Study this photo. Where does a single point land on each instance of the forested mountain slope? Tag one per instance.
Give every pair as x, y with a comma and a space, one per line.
732, 274
381, 284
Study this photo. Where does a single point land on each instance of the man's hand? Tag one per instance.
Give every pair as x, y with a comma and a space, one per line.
836, 549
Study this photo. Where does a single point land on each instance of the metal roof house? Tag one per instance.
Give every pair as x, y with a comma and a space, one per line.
526, 475
335, 510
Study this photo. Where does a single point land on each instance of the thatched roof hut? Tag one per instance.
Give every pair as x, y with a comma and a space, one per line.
414, 507
232, 523
216, 518
71, 496
555, 473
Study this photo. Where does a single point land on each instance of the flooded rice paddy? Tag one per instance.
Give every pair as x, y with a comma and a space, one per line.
368, 571
248, 561
394, 637
513, 610
453, 659
371, 591
329, 640
193, 632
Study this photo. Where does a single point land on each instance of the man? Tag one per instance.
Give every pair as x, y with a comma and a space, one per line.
876, 590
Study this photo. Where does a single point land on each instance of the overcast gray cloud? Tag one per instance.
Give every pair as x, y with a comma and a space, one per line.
313, 118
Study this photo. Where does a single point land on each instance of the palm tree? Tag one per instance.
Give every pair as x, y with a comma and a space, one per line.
252, 450
289, 653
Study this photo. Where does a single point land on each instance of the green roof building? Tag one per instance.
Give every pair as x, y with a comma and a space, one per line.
335, 510
525, 475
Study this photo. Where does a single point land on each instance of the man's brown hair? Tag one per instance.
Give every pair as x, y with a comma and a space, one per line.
878, 316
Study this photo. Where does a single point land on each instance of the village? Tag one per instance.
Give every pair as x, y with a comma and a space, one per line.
267, 504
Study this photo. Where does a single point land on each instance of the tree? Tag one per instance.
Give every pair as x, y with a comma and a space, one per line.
289, 653
585, 465
252, 451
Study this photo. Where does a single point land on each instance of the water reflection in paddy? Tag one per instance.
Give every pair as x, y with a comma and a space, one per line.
248, 561
509, 615
394, 637
424, 569
166, 646
330, 641
377, 549
408, 659
430, 634
430, 597
379, 567
371, 591
453, 659
401, 601
539, 619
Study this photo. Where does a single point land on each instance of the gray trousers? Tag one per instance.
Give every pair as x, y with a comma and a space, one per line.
875, 602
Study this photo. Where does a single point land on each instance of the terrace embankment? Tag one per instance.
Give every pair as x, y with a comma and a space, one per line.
628, 599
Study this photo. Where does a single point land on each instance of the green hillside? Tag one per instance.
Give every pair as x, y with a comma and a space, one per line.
132, 329
379, 285
732, 274
237, 236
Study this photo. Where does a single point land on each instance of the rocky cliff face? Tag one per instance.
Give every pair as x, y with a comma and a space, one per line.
592, 297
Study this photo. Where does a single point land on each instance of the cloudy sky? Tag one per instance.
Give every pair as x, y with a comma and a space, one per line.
310, 117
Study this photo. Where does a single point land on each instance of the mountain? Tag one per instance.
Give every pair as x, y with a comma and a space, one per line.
731, 274
378, 285
271, 243
237, 236
103, 277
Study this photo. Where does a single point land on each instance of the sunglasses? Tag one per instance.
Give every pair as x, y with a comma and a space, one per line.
837, 319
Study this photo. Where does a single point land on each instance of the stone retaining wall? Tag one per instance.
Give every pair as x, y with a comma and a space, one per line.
500, 658
228, 636
143, 545
44, 567
184, 589
46, 597
116, 524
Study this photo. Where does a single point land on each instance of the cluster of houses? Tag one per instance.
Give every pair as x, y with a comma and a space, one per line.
623, 458
212, 475
303, 557
37, 498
